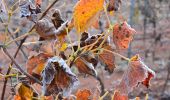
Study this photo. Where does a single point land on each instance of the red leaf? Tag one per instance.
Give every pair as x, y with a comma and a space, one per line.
122, 35
136, 73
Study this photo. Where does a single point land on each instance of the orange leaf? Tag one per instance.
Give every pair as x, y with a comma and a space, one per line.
122, 35
24, 92
38, 2
36, 64
83, 94
17, 97
136, 73
85, 13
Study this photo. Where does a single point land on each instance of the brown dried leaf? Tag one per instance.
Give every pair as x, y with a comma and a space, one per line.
84, 65
83, 94
57, 77
136, 73
47, 30
122, 35
56, 18
114, 5
35, 64
29, 10
108, 58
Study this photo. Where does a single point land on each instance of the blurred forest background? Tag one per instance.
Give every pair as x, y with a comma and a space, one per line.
151, 20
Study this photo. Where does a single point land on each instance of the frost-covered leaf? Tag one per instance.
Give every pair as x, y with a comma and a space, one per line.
57, 77
136, 73
57, 19
85, 13
114, 5
47, 30
122, 35
29, 10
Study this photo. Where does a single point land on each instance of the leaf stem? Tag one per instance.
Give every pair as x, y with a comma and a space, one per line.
115, 53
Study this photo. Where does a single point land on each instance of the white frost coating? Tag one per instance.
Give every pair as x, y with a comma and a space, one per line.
137, 72
62, 64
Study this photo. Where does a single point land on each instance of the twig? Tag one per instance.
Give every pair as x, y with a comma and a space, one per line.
19, 67
8, 71
10, 33
101, 85
19, 47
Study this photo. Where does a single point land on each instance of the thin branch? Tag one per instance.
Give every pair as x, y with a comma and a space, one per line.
10, 33
19, 47
19, 67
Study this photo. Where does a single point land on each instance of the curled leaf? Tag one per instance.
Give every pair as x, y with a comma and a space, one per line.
29, 10
122, 35
57, 77
114, 5
85, 13
35, 64
56, 18
136, 73
84, 65
47, 30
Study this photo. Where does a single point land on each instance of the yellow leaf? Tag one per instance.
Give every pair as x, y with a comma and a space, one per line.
24, 92
63, 47
85, 13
